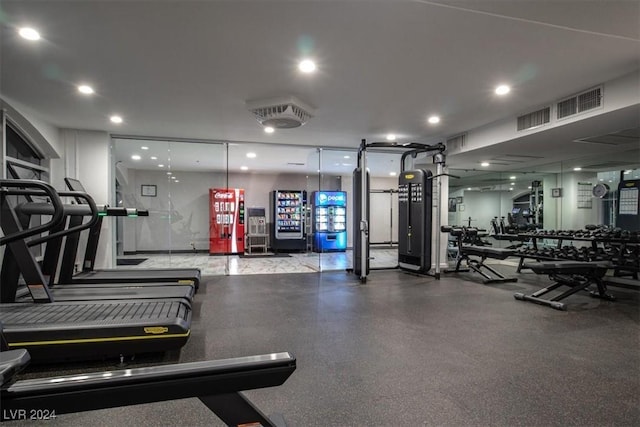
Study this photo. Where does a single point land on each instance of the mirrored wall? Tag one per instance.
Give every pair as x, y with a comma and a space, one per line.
566, 195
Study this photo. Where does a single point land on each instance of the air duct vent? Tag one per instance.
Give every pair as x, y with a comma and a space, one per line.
567, 108
535, 119
584, 101
281, 113
590, 100
456, 143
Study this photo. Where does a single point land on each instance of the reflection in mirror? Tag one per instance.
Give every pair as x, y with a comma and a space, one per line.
513, 200
563, 195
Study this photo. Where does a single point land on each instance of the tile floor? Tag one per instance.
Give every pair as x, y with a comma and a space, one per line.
294, 263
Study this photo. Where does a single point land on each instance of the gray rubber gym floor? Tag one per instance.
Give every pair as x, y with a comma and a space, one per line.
404, 350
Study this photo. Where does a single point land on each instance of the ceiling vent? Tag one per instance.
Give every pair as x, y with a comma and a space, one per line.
584, 101
535, 119
456, 143
281, 113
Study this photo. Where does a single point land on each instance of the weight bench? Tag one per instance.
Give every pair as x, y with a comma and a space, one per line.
465, 252
577, 275
217, 383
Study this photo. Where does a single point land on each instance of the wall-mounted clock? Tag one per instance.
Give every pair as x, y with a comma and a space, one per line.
600, 190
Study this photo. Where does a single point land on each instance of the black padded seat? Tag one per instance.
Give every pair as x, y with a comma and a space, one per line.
569, 267
482, 252
577, 275
488, 252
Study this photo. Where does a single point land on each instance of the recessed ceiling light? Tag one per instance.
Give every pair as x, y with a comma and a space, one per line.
503, 90
512, 177
160, 165
268, 129
347, 157
392, 173
244, 168
154, 158
577, 168
169, 173
529, 187
115, 119
434, 120
484, 164
391, 137
601, 179
135, 157
251, 155
173, 177
469, 189
29, 33
85, 89
177, 180
307, 66
144, 148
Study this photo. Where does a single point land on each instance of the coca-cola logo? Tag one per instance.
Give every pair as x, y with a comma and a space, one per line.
224, 196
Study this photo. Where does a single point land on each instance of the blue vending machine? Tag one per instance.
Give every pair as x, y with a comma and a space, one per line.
329, 221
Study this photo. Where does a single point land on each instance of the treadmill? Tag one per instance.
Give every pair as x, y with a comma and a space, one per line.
18, 260
52, 330
90, 275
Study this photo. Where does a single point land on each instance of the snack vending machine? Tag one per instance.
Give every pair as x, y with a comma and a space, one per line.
329, 221
288, 220
226, 221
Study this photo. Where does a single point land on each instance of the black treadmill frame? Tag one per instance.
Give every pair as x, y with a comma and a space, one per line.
218, 384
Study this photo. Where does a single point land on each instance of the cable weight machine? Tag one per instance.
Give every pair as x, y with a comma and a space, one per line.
415, 209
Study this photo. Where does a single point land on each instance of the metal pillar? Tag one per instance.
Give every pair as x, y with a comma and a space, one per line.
364, 215
439, 160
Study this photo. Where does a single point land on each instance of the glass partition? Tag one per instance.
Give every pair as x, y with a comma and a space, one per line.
332, 209
170, 180
190, 224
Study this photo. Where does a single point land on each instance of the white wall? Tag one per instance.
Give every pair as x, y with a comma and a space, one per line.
571, 217
481, 206
87, 158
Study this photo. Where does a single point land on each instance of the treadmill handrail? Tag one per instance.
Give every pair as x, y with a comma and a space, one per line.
43, 209
147, 375
217, 383
56, 218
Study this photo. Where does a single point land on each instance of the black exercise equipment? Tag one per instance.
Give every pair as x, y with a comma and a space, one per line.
414, 225
68, 330
414, 239
465, 253
574, 274
118, 275
217, 383
628, 207
18, 261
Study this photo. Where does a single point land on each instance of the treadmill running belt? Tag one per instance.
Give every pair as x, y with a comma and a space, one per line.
98, 312
69, 330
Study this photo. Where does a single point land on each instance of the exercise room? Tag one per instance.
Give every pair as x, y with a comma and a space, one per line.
313, 213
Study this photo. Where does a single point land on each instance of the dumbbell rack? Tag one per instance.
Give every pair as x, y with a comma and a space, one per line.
622, 252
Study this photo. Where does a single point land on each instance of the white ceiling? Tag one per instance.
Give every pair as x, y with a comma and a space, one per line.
184, 69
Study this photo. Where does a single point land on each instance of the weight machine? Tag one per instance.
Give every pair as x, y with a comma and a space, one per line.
415, 210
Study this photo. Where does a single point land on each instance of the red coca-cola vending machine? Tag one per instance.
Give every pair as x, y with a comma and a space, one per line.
226, 222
